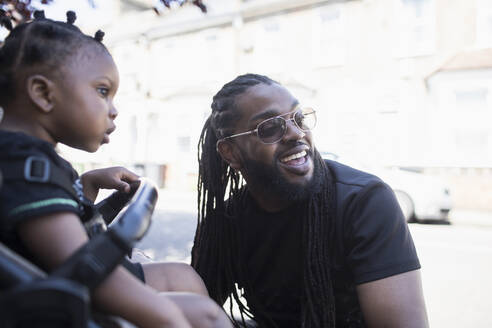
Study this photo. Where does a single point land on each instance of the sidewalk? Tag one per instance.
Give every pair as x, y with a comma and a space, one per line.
177, 200
471, 217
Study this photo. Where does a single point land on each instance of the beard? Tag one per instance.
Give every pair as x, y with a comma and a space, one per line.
269, 179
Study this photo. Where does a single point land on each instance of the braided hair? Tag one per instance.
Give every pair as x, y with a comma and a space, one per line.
41, 44
216, 240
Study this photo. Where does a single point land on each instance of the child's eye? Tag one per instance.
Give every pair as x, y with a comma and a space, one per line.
103, 91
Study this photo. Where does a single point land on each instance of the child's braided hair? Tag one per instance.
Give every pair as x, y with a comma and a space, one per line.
41, 44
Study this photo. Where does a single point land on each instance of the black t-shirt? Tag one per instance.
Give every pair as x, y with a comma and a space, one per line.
373, 242
22, 200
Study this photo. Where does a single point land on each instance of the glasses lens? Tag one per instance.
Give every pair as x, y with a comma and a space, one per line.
305, 119
271, 130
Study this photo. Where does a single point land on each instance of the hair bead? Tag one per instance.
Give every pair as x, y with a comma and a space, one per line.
99, 35
41, 41
39, 14
71, 17
6, 22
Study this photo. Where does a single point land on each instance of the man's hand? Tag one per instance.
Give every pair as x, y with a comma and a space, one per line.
116, 177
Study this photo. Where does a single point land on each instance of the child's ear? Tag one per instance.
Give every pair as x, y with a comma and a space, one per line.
229, 153
40, 90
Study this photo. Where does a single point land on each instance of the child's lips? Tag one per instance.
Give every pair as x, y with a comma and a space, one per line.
105, 139
110, 130
106, 135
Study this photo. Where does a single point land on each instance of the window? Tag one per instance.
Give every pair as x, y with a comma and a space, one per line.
329, 45
471, 142
184, 143
415, 28
484, 23
271, 26
469, 100
269, 44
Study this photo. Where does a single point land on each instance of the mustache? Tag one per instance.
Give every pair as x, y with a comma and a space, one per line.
292, 144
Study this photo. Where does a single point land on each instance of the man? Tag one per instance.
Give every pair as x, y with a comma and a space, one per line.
308, 242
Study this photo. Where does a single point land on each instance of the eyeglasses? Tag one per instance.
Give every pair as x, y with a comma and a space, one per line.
272, 130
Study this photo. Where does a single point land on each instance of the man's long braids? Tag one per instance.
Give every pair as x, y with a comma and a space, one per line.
39, 46
215, 244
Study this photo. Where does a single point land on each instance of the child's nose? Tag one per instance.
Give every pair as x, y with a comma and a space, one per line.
113, 112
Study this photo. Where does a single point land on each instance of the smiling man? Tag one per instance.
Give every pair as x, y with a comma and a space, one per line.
306, 242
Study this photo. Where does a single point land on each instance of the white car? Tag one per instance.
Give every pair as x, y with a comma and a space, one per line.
421, 197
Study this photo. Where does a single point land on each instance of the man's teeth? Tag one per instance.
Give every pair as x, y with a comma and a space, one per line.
293, 156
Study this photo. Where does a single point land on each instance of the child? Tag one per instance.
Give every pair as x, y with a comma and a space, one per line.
57, 85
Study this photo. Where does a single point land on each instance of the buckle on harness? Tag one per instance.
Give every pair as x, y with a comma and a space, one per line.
32, 168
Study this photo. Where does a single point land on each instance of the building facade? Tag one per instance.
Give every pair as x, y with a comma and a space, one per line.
379, 73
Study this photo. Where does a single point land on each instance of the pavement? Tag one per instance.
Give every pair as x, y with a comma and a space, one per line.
471, 217
455, 272
177, 200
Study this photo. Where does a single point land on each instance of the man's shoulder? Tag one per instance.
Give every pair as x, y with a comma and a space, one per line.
349, 177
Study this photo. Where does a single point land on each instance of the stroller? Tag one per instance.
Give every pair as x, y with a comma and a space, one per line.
31, 298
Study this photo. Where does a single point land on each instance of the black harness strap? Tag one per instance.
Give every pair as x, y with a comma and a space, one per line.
38, 169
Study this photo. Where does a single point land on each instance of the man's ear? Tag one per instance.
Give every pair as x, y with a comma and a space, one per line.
40, 90
229, 153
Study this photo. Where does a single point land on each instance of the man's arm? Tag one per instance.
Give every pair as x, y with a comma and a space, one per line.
396, 301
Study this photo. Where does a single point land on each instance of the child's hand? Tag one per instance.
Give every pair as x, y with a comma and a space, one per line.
116, 177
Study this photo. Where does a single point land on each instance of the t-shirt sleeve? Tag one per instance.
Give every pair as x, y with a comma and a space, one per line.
379, 243
23, 200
